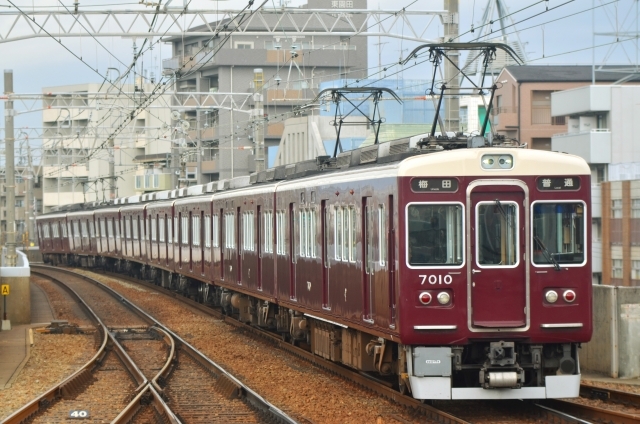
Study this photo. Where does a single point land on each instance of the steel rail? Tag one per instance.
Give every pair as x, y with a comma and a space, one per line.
603, 393
377, 387
232, 384
78, 378
591, 413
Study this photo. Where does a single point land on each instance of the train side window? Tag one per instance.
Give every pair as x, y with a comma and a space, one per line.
45, 231
338, 232
154, 232
435, 234
110, 229
92, 232
229, 230
161, 229
207, 231
63, 227
175, 230
303, 232
247, 231
268, 231
185, 230
281, 247
103, 228
216, 231
382, 240
135, 229
353, 241
118, 231
195, 230
559, 233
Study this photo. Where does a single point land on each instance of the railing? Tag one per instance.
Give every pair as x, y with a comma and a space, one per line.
592, 131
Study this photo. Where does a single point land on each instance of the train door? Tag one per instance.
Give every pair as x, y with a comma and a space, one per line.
292, 252
367, 258
326, 264
391, 260
239, 247
204, 237
499, 284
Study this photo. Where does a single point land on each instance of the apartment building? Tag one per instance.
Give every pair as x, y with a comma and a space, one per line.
522, 107
91, 146
278, 69
28, 202
603, 128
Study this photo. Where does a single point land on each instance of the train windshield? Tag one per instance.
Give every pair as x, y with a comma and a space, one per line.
435, 235
558, 233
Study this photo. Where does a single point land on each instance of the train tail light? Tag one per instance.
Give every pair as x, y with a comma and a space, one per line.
443, 298
569, 295
551, 296
425, 298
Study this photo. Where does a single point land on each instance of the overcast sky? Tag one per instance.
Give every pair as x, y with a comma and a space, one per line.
559, 35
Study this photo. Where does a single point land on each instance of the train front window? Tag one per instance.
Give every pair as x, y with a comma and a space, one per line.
558, 233
497, 234
435, 235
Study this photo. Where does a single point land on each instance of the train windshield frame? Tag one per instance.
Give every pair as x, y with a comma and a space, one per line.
435, 235
497, 234
558, 230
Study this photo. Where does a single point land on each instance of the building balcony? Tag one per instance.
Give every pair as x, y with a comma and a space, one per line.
592, 98
505, 117
153, 182
593, 146
186, 63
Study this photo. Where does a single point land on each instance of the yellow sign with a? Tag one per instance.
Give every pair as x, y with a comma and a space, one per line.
5, 289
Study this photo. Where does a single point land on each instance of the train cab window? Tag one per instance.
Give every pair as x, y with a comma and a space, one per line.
435, 235
216, 231
558, 233
497, 233
268, 231
207, 231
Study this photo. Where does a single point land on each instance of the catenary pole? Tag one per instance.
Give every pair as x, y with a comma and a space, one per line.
10, 178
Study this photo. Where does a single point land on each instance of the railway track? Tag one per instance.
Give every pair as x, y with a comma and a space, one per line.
170, 369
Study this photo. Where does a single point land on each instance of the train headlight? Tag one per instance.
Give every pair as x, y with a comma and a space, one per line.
505, 161
425, 298
488, 162
444, 298
551, 296
569, 295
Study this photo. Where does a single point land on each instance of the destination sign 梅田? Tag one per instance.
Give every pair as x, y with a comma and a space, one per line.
434, 184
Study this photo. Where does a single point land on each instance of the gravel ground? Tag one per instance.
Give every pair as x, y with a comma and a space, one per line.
303, 391
53, 358
622, 387
64, 307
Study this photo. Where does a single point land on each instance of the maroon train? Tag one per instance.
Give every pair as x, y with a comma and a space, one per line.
460, 274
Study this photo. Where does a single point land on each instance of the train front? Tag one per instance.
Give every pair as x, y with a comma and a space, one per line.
495, 273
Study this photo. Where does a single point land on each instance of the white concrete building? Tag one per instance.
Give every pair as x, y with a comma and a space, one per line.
78, 121
604, 129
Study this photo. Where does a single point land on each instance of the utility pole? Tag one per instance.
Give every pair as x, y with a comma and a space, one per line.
112, 170
10, 177
451, 76
258, 120
30, 205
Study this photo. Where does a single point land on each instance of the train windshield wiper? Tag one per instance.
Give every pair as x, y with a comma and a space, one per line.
548, 255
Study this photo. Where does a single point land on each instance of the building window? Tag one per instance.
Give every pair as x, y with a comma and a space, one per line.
558, 120
635, 208
243, 45
540, 107
19, 203
616, 268
616, 208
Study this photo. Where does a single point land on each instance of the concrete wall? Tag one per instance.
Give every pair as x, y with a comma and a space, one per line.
614, 349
